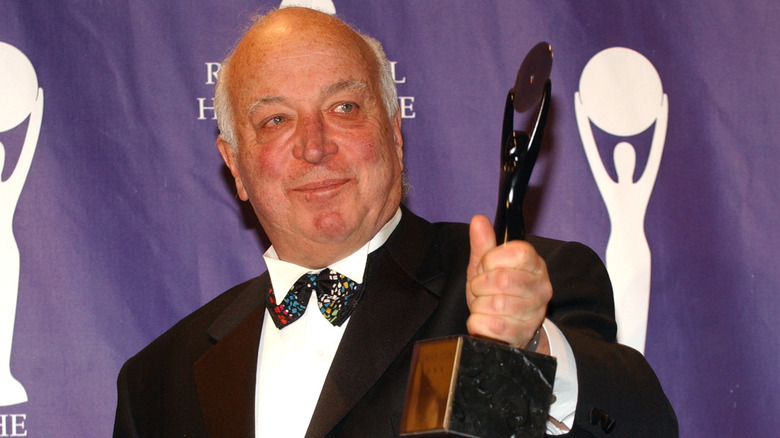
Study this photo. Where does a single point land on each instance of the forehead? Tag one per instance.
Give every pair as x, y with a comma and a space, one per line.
279, 51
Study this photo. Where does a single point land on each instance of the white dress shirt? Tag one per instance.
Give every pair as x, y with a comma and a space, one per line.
293, 363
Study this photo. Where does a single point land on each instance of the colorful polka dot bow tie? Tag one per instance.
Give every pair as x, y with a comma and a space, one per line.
337, 296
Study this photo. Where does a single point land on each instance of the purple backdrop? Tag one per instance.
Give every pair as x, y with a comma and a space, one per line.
128, 221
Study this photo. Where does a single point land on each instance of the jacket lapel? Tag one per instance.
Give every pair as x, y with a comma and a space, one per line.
396, 288
398, 285
226, 374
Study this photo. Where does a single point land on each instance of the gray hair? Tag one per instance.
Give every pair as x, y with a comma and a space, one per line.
226, 120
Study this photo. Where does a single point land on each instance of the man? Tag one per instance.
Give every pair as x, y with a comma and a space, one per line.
310, 131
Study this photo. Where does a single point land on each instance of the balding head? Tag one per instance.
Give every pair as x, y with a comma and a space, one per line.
274, 30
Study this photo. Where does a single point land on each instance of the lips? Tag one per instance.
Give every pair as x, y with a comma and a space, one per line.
322, 187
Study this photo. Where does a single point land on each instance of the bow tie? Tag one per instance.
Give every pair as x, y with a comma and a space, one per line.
337, 297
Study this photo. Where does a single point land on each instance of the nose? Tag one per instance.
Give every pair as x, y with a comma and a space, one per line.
312, 142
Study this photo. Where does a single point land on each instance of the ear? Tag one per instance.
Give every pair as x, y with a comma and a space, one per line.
230, 157
398, 139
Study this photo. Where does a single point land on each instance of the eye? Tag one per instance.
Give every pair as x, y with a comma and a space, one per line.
275, 121
346, 107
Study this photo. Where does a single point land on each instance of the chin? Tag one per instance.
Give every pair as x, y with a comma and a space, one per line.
331, 224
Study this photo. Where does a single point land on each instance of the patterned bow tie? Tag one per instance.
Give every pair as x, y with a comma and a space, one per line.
337, 296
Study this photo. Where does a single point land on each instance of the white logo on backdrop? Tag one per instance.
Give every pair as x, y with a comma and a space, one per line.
20, 99
621, 93
326, 6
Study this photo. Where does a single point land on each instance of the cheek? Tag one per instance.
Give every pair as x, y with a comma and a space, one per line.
379, 151
373, 162
261, 172
381, 171
388, 157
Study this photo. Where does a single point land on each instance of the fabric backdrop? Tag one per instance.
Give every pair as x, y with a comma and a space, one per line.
128, 220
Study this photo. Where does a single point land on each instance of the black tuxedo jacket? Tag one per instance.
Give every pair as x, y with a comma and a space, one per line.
198, 379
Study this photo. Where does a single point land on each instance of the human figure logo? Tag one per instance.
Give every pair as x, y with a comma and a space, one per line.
621, 94
326, 6
20, 100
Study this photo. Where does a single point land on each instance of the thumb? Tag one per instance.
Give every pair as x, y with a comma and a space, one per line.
482, 238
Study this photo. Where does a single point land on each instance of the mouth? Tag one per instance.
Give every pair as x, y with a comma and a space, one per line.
322, 188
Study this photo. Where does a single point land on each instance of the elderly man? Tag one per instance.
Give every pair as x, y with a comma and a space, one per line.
310, 131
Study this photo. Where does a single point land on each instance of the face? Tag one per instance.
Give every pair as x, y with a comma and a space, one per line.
318, 157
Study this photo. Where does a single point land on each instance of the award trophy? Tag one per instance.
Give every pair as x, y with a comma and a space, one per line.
472, 387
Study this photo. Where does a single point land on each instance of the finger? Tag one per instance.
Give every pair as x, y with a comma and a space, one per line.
516, 254
506, 281
482, 239
507, 319
525, 308
504, 329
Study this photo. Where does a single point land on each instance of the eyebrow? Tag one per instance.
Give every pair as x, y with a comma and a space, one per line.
330, 90
348, 85
264, 101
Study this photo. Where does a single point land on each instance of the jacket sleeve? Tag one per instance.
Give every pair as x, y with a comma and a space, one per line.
619, 395
124, 426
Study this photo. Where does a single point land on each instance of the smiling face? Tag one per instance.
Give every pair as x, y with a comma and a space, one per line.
318, 156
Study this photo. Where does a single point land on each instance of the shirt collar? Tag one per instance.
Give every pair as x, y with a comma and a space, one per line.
284, 274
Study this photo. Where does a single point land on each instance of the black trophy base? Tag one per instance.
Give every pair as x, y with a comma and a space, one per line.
469, 387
